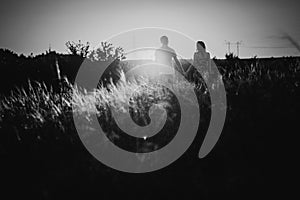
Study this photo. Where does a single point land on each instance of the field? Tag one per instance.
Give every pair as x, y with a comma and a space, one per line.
42, 155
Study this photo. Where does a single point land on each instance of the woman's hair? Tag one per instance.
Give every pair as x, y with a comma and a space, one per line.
202, 44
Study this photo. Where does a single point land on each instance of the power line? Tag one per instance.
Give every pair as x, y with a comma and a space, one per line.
266, 47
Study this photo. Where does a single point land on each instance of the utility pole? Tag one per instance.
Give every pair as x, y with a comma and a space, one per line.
49, 48
228, 45
238, 47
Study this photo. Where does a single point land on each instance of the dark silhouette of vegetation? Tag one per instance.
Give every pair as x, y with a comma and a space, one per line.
231, 56
107, 53
43, 157
49, 67
78, 48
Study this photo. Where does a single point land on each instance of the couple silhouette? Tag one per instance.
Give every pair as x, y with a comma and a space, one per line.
165, 55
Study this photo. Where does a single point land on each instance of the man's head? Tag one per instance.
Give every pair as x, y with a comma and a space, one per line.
164, 40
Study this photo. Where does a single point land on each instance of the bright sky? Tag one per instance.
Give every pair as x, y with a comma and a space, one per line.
30, 26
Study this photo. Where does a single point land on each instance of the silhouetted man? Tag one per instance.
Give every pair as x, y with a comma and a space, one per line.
164, 55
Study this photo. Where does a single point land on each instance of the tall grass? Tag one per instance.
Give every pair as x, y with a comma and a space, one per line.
39, 105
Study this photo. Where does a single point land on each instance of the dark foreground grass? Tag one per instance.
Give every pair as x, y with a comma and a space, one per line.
43, 157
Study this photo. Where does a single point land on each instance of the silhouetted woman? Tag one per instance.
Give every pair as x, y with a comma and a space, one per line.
201, 61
